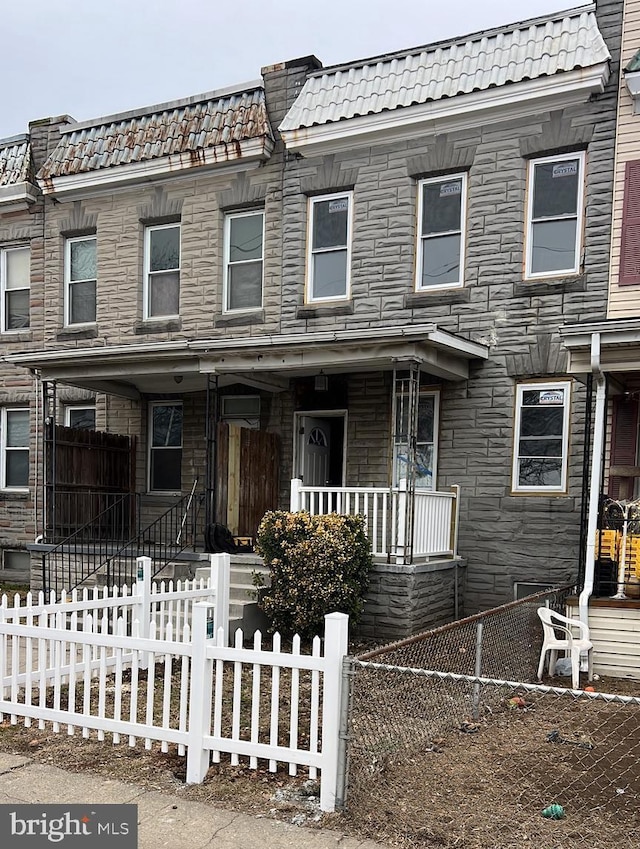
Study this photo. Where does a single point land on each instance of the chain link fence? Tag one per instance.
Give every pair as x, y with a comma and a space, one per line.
441, 758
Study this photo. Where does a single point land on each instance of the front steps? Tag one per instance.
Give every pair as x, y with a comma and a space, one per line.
244, 612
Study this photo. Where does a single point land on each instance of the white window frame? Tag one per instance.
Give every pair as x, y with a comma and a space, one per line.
4, 448
546, 386
309, 297
422, 238
146, 289
68, 283
422, 393
151, 447
4, 290
579, 216
228, 264
69, 408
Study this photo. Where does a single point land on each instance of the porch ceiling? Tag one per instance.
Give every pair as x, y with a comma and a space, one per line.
265, 362
619, 345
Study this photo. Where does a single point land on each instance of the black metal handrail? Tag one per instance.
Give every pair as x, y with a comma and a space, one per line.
72, 560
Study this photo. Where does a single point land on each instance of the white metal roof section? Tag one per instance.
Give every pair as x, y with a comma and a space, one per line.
619, 345
486, 62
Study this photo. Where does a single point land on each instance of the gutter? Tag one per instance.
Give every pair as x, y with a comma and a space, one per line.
596, 470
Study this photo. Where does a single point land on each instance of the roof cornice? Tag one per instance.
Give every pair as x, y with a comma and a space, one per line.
465, 111
240, 155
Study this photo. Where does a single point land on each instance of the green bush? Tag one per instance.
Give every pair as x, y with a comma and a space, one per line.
318, 565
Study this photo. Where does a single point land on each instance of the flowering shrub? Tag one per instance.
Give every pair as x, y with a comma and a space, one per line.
318, 565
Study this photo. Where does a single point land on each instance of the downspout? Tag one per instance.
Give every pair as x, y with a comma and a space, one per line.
596, 469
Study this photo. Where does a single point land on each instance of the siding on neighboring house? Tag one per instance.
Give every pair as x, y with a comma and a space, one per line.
624, 300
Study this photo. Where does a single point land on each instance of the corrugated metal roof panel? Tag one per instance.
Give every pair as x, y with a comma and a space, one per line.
16, 164
513, 54
187, 128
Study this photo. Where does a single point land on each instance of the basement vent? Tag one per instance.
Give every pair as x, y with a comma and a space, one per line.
521, 589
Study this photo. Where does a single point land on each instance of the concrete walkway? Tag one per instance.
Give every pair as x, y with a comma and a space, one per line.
163, 820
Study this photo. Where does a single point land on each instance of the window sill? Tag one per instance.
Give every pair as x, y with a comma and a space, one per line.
18, 494
9, 336
551, 285
239, 319
437, 297
325, 309
154, 325
78, 333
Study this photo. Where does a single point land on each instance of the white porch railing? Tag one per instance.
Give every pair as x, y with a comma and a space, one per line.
435, 518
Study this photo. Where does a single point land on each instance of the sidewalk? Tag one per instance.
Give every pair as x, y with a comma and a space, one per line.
164, 820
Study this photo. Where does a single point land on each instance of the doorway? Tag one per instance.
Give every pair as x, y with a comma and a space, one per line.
320, 448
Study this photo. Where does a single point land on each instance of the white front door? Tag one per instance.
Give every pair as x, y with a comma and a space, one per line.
315, 448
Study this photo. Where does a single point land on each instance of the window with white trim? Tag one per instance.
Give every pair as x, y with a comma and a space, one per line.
329, 247
162, 271
80, 275
14, 448
15, 282
442, 219
555, 215
244, 261
426, 439
80, 417
540, 456
165, 447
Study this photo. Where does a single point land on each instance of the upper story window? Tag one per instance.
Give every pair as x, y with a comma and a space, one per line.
329, 247
165, 447
630, 234
244, 255
82, 418
14, 448
441, 216
555, 213
80, 274
15, 281
540, 455
162, 271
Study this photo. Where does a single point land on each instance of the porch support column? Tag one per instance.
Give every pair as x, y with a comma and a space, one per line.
406, 390
211, 432
49, 405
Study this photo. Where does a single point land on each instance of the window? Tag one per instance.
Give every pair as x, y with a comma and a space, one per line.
80, 275
426, 442
16, 561
15, 278
330, 247
442, 214
165, 447
14, 441
541, 437
630, 235
244, 240
243, 410
83, 418
162, 271
555, 215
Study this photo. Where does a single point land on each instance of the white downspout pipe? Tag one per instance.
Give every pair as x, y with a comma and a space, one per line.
596, 470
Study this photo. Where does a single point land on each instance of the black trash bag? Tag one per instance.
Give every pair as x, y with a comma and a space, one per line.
219, 539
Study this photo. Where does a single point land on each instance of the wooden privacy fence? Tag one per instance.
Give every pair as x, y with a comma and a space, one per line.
90, 664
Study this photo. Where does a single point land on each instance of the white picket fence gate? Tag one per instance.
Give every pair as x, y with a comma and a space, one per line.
155, 665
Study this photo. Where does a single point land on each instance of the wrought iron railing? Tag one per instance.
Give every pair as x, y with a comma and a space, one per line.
90, 552
80, 554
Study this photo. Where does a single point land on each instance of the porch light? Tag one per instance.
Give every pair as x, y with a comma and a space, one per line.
321, 383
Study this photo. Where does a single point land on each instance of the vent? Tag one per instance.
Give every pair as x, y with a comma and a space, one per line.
521, 589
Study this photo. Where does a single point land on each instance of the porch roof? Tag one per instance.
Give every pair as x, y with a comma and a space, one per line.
265, 362
619, 345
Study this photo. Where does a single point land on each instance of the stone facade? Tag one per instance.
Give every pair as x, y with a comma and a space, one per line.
503, 538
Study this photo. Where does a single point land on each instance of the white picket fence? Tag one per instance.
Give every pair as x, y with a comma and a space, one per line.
90, 663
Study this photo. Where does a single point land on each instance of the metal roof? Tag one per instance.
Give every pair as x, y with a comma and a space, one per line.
188, 126
16, 164
523, 51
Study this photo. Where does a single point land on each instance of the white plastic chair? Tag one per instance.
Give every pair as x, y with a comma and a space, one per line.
552, 623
